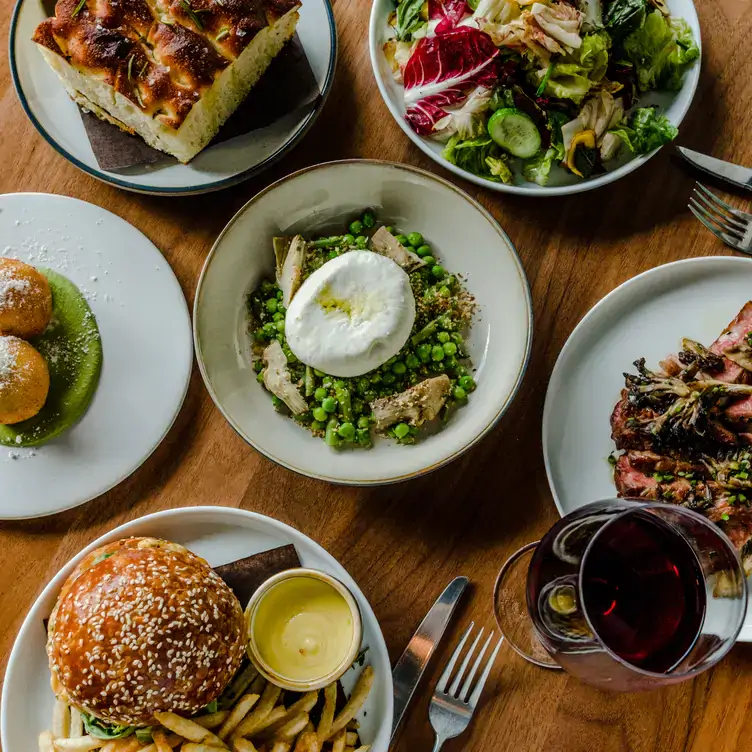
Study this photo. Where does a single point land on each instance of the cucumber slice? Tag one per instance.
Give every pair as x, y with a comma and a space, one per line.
515, 131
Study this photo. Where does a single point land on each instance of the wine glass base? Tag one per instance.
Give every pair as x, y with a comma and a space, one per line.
510, 609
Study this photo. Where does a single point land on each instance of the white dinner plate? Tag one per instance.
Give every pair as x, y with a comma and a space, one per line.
146, 340
645, 317
318, 200
674, 105
220, 535
58, 120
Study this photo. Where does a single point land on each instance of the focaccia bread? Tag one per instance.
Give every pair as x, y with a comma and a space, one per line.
171, 71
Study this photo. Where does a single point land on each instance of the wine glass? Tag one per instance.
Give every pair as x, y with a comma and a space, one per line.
625, 594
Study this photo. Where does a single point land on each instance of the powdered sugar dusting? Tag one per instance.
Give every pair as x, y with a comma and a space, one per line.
9, 349
12, 289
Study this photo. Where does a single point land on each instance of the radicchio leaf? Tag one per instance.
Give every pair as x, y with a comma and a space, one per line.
448, 13
443, 71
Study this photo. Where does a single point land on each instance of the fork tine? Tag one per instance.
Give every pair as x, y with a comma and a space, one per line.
727, 218
458, 677
475, 696
444, 679
730, 209
467, 686
712, 218
727, 239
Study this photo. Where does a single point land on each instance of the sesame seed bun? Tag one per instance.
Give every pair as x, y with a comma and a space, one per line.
144, 626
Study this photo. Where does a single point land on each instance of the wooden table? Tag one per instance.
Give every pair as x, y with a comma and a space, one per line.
404, 543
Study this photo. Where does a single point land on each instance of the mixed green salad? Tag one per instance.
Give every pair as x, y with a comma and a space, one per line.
428, 379
540, 82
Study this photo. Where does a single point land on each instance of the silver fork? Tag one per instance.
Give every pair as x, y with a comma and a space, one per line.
452, 710
732, 226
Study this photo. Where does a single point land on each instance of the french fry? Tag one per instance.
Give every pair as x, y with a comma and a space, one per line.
81, 744
327, 714
291, 728
243, 745
46, 742
364, 748
160, 741
351, 738
239, 686
212, 720
304, 705
308, 741
275, 715
249, 725
280, 747
355, 703
240, 711
61, 720
173, 740
109, 747
193, 747
338, 742
76, 724
189, 730
257, 685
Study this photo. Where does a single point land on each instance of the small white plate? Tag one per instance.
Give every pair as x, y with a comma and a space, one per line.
674, 105
146, 338
58, 120
645, 317
220, 535
468, 241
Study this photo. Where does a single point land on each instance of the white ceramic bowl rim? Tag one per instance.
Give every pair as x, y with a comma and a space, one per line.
691, 82
134, 186
444, 461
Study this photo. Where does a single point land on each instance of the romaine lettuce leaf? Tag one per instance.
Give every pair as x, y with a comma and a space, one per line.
480, 156
661, 50
538, 169
646, 130
409, 19
574, 75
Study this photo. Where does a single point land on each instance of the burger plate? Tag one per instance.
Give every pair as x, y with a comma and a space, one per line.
220, 535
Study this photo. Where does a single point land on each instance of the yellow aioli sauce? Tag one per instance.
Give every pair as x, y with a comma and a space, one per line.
303, 629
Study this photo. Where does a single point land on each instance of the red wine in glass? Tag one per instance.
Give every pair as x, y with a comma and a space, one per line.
644, 592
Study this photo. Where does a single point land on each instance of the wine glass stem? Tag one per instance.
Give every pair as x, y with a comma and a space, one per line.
439, 744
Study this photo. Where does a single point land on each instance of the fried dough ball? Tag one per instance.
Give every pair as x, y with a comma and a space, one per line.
24, 380
25, 299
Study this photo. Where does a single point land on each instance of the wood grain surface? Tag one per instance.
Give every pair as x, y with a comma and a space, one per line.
404, 543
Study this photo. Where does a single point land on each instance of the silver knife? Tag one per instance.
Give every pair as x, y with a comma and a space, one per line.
731, 173
413, 662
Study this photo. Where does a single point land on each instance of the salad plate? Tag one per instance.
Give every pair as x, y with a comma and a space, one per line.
646, 317
315, 202
147, 358
537, 98
219, 535
220, 165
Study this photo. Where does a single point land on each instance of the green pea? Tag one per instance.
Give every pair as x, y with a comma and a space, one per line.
331, 255
430, 260
450, 348
456, 338
356, 227
376, 378
402, 239
320, 394
467, 382
327, 382
459, 394
369, 219
317, 425
280, 295
339, 384
358, 406
389, 378
362, 385
278, 316
401, 430
364, 421
443, 337
370, 395
348, 239
320, 414
399, 367
438, 271
268, 287
415, 239
412, 362
329, 404
260, 378
461, 371
361, 241
277, 402
258, 366
318, 373
450, 362
450, 281
280, 326
437, 352
364, 437
270, 329
347, 431
424, 250
424, 352
444, 291
271, 305
391, 229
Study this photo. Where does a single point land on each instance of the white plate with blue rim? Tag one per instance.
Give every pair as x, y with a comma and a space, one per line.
220, 165
220, 535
